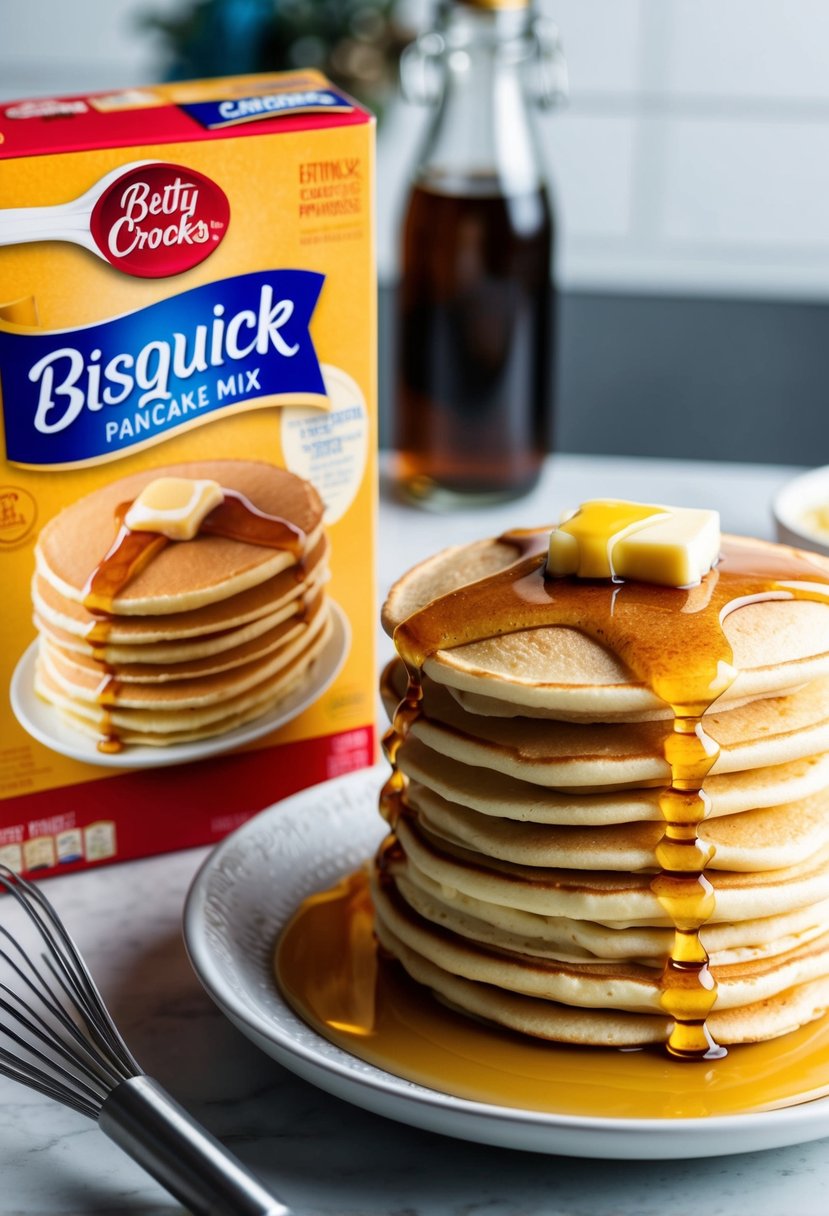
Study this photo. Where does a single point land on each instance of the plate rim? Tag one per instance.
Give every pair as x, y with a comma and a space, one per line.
405, 1101
138, 757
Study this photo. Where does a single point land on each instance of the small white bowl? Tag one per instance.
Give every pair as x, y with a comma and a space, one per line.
791, 504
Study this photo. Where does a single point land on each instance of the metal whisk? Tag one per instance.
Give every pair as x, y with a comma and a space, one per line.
64, 1043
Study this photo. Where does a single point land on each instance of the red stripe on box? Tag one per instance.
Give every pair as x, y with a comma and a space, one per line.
163, 809
154, 125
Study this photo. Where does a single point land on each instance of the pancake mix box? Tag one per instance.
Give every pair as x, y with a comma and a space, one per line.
187, 487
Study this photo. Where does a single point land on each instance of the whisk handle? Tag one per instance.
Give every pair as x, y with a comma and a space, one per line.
161, 1136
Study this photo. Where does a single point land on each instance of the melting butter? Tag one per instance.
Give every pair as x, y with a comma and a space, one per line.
174, 506
612, 538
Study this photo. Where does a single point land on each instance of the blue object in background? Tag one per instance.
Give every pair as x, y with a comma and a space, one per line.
226, 39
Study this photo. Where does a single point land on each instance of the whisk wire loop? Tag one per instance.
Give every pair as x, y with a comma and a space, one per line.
46, 1083
68, 968
37, 1028
85, 1056
45, 998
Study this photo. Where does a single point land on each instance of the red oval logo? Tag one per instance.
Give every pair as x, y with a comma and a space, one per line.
159, 220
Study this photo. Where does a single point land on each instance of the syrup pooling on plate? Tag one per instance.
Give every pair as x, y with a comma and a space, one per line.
672, 640
333, 975
235, 518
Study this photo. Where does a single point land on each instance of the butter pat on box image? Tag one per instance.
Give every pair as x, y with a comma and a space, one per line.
188, 481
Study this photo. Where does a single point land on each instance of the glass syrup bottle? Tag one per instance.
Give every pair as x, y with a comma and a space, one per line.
476, 321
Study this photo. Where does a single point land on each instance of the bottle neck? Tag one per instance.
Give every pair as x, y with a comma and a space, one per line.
482, 137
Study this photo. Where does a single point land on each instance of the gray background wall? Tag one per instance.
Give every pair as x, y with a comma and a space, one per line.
706, 378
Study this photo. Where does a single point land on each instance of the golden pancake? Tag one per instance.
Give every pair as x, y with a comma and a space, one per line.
71, 624
223, 652
169, 697
186, 574
770, 839
199, 635
150, 729
570, 755
569, 855
496, 794
80, 668
626, 986
610, 896
607, 1028
571, 940
777, 645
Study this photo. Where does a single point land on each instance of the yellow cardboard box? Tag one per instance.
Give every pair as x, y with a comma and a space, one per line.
186, 276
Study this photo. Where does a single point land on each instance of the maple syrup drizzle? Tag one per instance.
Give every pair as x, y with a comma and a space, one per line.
332, 972
672, 640
235, 518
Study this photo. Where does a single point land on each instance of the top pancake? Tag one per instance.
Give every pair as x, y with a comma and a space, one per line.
72, 623
561, 673
186, 574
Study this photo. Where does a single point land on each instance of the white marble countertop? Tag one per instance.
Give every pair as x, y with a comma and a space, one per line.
318, 1154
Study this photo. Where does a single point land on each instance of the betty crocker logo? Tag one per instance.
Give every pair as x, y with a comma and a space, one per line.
156, 220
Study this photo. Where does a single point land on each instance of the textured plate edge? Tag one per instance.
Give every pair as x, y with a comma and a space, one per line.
396, 1098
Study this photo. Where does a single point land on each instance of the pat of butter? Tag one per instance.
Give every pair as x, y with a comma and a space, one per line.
610, 538
174, 506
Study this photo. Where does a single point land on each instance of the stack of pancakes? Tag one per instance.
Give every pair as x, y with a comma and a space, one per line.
517, 884
209, 635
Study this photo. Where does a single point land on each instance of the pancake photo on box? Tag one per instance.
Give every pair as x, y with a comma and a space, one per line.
609, 807
179, 604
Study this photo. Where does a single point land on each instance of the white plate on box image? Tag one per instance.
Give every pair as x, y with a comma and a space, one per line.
247, 890
44, 723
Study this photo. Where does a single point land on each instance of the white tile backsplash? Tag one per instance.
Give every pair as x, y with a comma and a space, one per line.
762, 51
584, 153
747, 185
723, 174
602, 40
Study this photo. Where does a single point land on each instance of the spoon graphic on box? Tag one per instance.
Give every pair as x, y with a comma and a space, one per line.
71, 221
147, 218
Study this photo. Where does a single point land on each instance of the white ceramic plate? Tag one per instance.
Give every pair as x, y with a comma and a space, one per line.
45, 724
247, 890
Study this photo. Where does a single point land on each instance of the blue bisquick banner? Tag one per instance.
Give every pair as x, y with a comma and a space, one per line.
82, 395
232, 111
